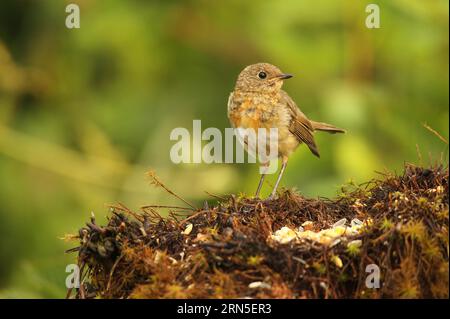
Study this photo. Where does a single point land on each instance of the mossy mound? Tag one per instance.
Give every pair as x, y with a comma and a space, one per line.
226, 251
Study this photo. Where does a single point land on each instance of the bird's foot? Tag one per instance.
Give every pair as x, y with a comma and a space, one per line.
270, 198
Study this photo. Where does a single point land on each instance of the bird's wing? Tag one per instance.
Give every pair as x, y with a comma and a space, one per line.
300, 126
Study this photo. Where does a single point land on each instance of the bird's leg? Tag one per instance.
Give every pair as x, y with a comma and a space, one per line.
283, 167
261, 181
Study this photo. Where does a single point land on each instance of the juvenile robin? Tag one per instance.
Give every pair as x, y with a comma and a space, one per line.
259, 102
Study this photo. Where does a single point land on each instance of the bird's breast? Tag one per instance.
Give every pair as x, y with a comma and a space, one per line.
256, 111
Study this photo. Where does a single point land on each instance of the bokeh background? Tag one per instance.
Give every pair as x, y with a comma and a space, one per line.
84, 113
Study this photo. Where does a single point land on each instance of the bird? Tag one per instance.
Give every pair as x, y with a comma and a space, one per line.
258, 102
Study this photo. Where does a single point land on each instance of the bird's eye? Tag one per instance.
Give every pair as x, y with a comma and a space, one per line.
262, 75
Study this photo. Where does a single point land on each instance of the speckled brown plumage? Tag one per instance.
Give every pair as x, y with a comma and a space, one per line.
259, 102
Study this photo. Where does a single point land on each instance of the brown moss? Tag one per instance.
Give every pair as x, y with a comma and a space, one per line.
228, 253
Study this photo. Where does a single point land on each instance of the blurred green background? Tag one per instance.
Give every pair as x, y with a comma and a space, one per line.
84, 113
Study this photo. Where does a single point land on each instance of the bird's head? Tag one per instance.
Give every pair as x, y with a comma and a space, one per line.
261, 77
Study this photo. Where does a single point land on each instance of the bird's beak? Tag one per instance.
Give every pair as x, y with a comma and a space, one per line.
285, 76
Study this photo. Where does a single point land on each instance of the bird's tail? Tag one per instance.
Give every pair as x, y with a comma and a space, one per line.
319, 126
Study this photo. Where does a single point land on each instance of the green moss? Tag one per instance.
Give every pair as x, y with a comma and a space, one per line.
143, 255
